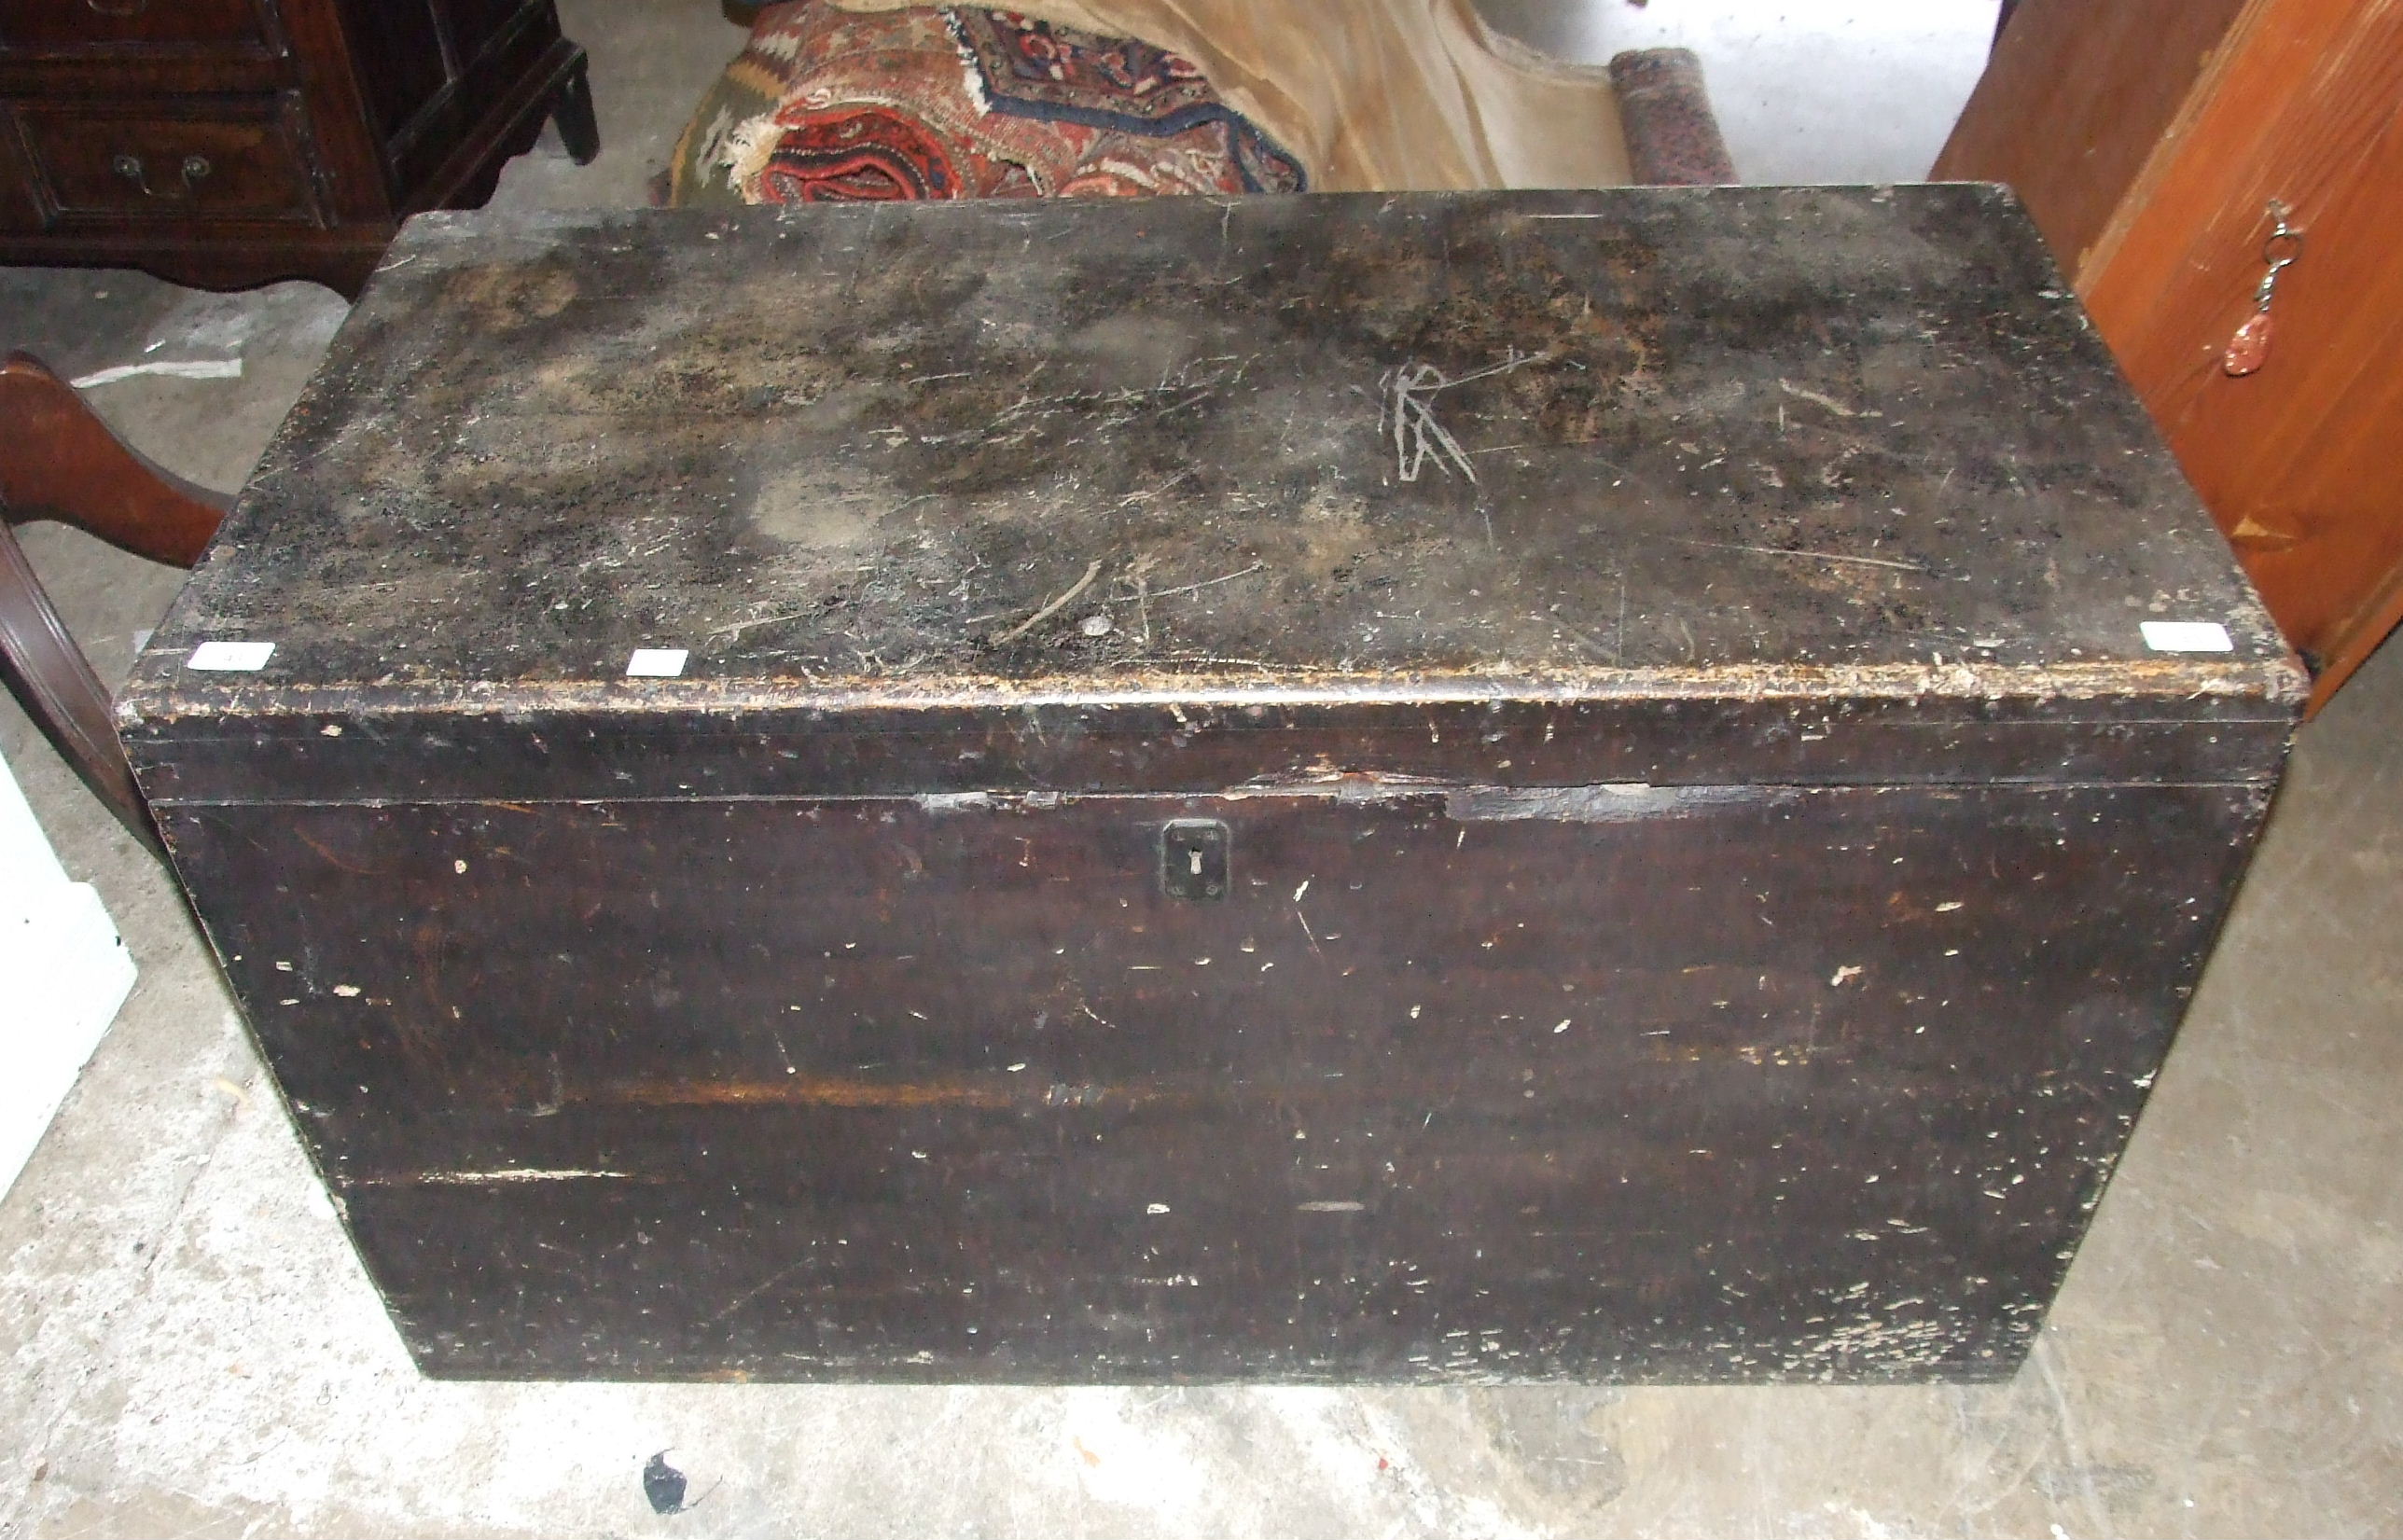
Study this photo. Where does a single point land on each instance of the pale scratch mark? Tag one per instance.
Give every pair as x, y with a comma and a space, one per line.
1415, 426
1800, 394
1198, 396
741, 626
1298, 917
1206, 658
508, 1174
1143, 608
759, 1288
1379, 400
1814, 556
1131, 499
2073, 1439
1411, 391
1595, 643
1210, 582
1054, 607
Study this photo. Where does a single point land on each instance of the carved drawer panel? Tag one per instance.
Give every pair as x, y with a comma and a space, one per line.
77, 26
171, 158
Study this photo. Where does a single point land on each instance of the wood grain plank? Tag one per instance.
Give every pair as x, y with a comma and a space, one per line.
2296, 462
1765, 1084
2074, 103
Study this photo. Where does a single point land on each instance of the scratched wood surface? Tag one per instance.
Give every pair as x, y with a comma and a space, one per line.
1643, 438
1712, 863
1736, 1084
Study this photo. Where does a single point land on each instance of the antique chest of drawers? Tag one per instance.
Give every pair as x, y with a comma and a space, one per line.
1602, 784
226, 143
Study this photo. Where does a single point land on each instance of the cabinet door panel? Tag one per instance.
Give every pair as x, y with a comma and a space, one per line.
400, 58
475, 24
2149, 138
2297, 460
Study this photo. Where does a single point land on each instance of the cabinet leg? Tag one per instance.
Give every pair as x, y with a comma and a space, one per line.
572, 110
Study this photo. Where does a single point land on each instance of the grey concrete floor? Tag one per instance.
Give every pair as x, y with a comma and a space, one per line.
1805, 90
195, 1351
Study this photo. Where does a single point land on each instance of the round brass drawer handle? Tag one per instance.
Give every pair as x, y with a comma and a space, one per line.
193, 170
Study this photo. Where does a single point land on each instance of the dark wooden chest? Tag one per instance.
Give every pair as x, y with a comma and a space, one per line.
1618, 784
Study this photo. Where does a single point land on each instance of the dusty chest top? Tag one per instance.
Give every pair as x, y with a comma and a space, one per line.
1716, 444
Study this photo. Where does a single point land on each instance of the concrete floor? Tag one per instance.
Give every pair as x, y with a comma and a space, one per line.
1805, 90
195, 1351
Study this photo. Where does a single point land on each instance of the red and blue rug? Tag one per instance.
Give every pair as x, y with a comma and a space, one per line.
927, 103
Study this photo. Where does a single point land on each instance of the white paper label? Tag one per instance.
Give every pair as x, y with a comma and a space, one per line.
655, 662
2186, 636
231, 656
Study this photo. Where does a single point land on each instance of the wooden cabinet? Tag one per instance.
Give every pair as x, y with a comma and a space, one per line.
226, 143
2149, 139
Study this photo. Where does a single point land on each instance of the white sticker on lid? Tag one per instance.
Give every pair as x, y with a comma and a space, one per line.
231, 656
655, 662
2186, 636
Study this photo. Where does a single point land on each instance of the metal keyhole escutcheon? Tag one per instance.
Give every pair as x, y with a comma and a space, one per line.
1194, 859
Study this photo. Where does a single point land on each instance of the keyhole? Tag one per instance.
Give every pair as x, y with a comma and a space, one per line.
1193, 858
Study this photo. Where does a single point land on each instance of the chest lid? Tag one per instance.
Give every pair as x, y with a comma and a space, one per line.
1648, 483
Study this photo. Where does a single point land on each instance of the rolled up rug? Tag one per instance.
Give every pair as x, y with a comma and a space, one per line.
1673, 136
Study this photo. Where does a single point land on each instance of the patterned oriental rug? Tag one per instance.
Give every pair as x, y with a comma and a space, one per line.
958, 102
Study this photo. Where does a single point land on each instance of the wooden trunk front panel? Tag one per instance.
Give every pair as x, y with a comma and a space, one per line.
1719, 1083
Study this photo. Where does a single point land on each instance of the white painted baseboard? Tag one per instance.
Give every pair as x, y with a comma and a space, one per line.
64, 971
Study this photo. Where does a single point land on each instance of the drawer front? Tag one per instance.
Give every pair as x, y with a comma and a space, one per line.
79, 26
172, 160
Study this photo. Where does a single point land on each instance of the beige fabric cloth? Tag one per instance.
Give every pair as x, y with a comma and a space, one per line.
1379, 95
